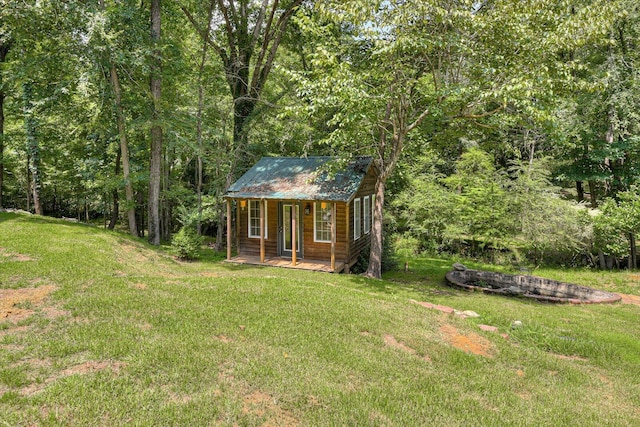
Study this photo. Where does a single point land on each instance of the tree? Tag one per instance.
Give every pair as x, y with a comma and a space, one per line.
33, 145
599, 121
5, 45
247, 42
481, 209
156, 128
616, 226
102, 49
427, 65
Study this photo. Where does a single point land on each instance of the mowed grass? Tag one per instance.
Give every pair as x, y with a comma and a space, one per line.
101, 329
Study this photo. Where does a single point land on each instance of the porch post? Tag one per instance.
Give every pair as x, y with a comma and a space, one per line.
294, 228
228, 229
333, 236
238, 226
262, 231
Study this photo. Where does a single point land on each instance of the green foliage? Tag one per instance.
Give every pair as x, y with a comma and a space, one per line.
506, 213
551, 229
616, 222
481, 208
423, 205
186, 244
608, 237
389, 260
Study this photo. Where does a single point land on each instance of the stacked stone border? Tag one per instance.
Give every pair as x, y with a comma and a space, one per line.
526, 286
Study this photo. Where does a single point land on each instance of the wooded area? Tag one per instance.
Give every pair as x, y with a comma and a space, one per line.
505, 129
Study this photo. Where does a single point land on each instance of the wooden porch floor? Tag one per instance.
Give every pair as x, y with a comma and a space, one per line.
303, 264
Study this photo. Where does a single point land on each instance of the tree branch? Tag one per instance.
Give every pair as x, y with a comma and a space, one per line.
419, 120
204, 34
229, 26
479, 116
258, 24
262, 71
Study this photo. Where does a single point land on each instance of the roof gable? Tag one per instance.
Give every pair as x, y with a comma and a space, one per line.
289, 178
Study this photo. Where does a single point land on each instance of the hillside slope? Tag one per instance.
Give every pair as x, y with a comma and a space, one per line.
97, 328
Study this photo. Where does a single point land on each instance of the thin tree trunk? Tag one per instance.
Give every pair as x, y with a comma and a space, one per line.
140, 202
115, 213
165, 202
199, 165
377, 233
221, 228
1, 139
28, 171
4, 50
633, 260
124, 151
155, 163
580, 191
33, 147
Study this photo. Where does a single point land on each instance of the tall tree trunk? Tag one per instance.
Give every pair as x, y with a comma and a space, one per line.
155, 163
199, 165
397, 110
1, 140
140, 211
222, 223
33, 147
4, 50
115, 213
633, 256
28, 172
377, 233
580, 191
124, 152
165, 202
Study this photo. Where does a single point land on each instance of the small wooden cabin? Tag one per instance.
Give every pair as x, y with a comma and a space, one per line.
283, 203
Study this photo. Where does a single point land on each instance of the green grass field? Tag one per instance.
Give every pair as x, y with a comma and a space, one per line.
97, 328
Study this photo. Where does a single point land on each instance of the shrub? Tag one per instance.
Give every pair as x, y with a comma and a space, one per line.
186, 244
388, 262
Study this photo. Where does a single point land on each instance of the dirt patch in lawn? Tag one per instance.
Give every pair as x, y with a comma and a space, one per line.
13, 256
209, 274
132, 253
630, 299
264, 406
222, 338
80, 369
569, 357
93, 366
391, 341
472, 343
19, 304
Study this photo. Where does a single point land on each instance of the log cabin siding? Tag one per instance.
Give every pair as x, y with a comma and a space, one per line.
322, 250
251, 245
367, 188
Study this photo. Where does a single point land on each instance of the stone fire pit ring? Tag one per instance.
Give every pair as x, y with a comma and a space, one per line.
526, 286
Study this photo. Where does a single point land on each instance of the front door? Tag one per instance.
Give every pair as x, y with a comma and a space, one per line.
285, 237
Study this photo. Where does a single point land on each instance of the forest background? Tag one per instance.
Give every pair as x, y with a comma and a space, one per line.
506, 130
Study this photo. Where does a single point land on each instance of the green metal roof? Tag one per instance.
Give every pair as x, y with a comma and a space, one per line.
289, 178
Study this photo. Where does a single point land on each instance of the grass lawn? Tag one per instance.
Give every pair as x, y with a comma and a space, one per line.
97, 328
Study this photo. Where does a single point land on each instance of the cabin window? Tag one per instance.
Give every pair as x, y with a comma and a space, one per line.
357, 221
367, 214
322, 222
254, 219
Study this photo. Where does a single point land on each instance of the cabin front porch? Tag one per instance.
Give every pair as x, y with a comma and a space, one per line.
301, 264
